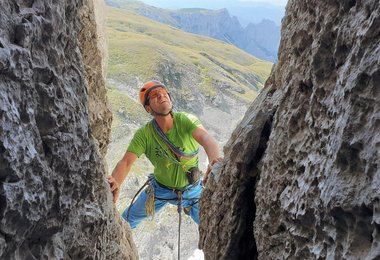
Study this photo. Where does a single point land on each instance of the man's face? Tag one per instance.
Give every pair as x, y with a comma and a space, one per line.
159, 101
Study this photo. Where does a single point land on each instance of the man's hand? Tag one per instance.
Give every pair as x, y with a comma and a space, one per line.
115, 187
119, 173
209, 168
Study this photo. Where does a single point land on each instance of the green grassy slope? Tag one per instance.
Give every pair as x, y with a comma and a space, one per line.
137, 46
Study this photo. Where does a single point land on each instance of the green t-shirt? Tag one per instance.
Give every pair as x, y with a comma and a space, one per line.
167, 169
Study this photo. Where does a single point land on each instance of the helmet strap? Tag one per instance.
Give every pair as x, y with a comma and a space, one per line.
154, 113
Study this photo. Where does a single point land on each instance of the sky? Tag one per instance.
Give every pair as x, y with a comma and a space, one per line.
273, 2
211, 3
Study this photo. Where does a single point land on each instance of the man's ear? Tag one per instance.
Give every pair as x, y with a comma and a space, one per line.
147, 108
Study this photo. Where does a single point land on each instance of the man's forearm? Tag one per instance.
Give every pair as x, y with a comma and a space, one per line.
209, 144
121, 171
212, 149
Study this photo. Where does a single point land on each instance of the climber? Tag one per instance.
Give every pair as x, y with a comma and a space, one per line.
170, 141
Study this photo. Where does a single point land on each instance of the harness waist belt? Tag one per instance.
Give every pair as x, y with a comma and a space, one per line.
189, 187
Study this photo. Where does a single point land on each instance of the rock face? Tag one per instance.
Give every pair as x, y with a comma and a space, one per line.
92, 44
301, 177
54, 200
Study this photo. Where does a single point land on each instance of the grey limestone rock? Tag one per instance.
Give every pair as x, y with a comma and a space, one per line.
54, 125
301, 175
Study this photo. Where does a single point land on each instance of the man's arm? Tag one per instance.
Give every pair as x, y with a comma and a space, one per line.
120, 172
210, 145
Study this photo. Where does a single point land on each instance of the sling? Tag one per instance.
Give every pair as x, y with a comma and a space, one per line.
171, 146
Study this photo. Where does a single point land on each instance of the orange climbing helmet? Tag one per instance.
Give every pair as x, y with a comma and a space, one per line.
147, 88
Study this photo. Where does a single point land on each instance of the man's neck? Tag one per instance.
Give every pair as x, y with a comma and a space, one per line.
165, 122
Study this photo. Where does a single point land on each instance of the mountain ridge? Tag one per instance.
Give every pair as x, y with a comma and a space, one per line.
218, 24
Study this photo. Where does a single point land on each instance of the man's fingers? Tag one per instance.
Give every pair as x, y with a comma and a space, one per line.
113, 183
114, 186
219, 159
110, 179
210, 166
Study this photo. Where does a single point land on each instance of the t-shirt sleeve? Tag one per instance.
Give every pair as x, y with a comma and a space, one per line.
138, 143
191, 122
